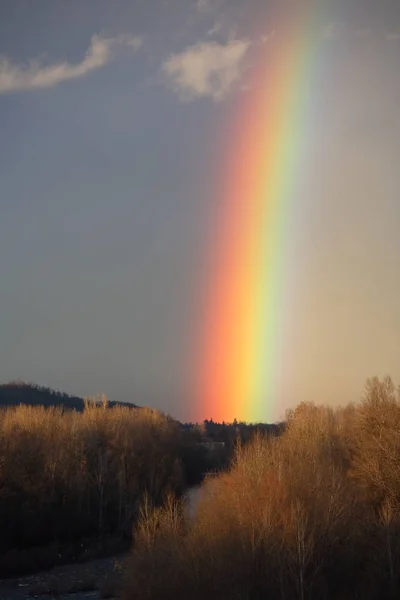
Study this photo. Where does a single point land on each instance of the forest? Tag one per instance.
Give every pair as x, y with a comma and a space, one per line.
307, 509
73, 472
312, 513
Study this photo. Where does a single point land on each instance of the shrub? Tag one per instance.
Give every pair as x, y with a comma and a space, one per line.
65, 476
311, 514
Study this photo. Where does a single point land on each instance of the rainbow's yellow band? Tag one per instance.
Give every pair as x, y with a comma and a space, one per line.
240, 327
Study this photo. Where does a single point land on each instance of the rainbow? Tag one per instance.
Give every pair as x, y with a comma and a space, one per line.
248, 266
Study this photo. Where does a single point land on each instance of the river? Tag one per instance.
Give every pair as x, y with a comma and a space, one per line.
193, 496
65, 577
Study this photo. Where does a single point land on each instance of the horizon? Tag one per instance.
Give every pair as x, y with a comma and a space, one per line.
100, 398
116, 128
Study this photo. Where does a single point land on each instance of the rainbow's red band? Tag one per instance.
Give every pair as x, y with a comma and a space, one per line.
238, 354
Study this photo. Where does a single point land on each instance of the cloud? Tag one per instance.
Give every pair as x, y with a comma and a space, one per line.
216, 28
206, 6
363, 33
333, 30
202, 5
135, 42
392, 37
34, 75
207, 69
224, 27
338, 29
268, 36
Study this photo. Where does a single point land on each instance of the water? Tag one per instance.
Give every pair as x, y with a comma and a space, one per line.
193, 496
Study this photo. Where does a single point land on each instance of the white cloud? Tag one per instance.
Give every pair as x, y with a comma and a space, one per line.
268, 36
206, 6
216, 28
333, 30
34, 75
135, 42
362, 33
224, 27
207, 69
338, 29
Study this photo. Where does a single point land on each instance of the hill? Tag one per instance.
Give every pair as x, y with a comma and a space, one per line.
18, 392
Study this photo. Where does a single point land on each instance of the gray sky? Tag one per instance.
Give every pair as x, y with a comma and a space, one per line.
114, 121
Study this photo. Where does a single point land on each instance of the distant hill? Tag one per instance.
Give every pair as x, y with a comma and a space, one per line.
14, 393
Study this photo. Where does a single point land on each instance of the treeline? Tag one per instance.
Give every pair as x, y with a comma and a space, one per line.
20, 392
68, 476
72, 477
222, 437
230, 432
313, 513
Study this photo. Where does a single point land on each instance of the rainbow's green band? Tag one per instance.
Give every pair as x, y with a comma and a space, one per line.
246, 294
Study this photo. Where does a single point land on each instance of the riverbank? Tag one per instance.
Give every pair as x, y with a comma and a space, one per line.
95, 579
27, 561
87, 578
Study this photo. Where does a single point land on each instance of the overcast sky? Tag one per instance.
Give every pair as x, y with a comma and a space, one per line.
114, 123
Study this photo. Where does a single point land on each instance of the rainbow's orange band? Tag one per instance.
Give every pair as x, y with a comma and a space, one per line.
240, 326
